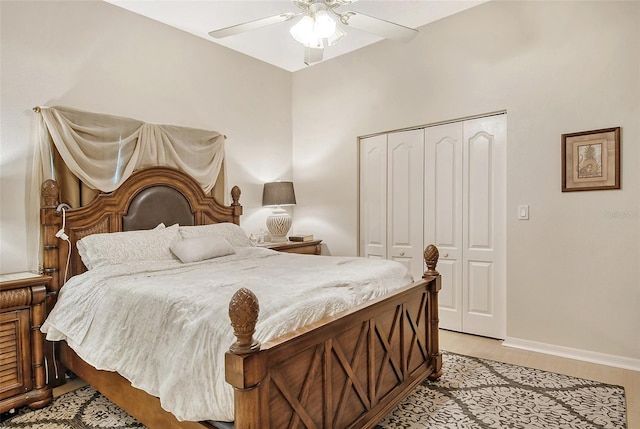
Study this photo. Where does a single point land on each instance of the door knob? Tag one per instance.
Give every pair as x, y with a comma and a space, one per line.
402, 253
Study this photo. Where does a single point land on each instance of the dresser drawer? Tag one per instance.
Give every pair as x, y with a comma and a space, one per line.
15, 353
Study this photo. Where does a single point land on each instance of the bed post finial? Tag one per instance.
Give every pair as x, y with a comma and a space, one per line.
243, 312
235, 195
431, 256
235, 205
50, 193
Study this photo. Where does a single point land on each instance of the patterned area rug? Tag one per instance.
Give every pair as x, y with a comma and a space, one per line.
83, 408
478, 393
472, 394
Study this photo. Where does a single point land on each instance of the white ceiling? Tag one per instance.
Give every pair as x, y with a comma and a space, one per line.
274, 44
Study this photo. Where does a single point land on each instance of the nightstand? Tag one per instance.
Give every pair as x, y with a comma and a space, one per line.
22, 370
301, 247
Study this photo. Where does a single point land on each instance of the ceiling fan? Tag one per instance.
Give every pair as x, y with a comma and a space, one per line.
317, 29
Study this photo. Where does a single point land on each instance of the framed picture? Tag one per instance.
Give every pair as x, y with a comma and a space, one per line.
591, 160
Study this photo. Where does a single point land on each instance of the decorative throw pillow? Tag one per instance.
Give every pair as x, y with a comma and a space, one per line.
97, 250
200, 248
235, 235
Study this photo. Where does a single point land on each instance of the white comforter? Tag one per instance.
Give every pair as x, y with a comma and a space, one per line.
164, 326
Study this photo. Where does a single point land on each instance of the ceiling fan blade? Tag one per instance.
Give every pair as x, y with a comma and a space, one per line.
313, 55
252, 25
303, 4
338, 3
377, 26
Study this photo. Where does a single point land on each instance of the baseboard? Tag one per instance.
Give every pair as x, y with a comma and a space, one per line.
571, 353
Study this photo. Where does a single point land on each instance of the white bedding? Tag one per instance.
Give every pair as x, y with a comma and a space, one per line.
164, 325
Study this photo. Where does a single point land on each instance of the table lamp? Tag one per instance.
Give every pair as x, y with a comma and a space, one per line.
278, 194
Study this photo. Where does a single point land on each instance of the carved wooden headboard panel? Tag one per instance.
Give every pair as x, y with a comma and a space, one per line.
150, 196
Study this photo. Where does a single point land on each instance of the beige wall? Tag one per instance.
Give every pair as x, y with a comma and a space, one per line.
555, 67
95, 56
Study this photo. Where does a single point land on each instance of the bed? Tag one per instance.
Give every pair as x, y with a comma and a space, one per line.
348, 369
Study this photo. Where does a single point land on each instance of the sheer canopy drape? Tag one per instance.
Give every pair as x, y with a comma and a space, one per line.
102, 151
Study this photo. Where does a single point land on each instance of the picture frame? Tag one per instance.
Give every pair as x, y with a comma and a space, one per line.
591, 160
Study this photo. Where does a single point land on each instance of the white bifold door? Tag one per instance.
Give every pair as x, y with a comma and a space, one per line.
464, 216
442, 185
391, 198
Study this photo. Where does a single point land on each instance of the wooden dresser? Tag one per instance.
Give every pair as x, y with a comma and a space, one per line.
22, 370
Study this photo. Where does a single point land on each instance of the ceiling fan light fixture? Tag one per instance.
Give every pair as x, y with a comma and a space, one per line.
302, 31
317, 28
325, 26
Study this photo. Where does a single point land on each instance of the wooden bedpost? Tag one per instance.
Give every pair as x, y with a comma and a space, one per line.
237, 208
245, 368
431, 256
51, 223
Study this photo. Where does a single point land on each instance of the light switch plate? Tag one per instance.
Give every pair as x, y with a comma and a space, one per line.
523, 212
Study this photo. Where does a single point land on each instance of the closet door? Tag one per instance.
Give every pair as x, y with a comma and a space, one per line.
373, 197
405, 164
484, 226
443, 215
465, 206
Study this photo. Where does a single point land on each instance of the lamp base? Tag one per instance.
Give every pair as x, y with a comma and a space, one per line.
278, 225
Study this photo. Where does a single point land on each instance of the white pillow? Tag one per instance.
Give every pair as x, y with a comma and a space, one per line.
235, 235
97, 250
200, 248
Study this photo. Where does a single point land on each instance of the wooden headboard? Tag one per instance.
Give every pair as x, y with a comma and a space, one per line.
150, 196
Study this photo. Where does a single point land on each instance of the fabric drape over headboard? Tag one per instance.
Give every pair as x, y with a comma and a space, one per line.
102, 151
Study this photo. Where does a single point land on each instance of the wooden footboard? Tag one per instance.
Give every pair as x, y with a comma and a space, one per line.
347, 371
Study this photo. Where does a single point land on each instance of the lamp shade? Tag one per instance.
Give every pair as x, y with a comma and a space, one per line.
278, 194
